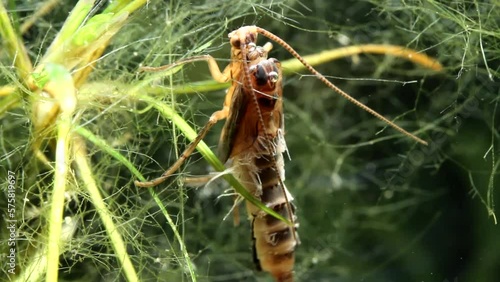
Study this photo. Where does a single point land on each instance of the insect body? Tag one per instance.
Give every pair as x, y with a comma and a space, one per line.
256, 151
252, 142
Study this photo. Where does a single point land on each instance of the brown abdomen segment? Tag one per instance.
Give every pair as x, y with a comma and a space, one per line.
274, 240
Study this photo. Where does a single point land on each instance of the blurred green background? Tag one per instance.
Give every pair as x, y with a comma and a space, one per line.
372, 205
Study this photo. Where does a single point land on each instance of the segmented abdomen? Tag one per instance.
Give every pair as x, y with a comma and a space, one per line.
274, 240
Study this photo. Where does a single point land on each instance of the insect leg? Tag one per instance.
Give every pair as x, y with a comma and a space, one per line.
187, 152
217, 75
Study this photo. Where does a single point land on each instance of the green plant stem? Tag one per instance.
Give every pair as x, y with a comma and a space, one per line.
46, 7
14, 45
8, 102
105, 147
101, 144
123, 6
57, 203
490, 199
60, 87
421, 59
105, 214
292, 66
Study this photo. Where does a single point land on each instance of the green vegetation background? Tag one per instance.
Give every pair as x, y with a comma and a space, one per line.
372, 206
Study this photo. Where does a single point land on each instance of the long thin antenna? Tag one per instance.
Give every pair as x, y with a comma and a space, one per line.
294, 53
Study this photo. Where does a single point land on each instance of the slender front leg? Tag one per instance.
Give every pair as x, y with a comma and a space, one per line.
215, 72
218, 76
218, 115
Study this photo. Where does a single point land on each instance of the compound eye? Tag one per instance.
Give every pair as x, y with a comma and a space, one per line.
260, 75
273, 76
236, 43
251, 37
